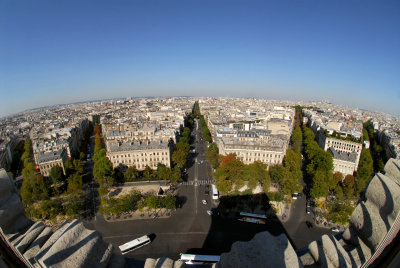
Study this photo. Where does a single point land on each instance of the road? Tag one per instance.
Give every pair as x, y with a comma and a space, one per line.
190, 229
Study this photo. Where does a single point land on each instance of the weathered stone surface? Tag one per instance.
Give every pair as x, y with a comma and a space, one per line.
164, 263
150, 263
307, 260
53, 238
78, 247
29, 236
373, 218
179, 264
264, 250
9, 211
334, 252
392, 169
35, 246
6, 186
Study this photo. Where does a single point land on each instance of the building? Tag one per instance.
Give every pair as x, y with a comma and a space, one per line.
139, 154
50, 159
346, 154
271, 151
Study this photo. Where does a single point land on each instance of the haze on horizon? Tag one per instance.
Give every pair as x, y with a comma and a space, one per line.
71, 51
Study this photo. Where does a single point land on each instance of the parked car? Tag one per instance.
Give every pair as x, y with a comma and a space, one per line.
294, 196
299, 195
335, 229
204, 201
207, 192
308, 210
308, 203
209, 212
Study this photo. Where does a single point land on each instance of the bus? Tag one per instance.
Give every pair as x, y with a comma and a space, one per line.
253, 218
215, 194
135, 244
199, 259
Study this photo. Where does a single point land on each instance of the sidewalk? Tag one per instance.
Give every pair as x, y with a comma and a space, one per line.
137, 215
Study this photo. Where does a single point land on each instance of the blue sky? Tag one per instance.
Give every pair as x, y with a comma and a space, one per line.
55, 52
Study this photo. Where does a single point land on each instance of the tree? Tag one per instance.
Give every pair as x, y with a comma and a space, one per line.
74, 206
169, 202
152, 202
130, 174
365, 170
176, 175
69, 166
349, 181
276, 173
179, 158
79, 166
320, 186
56, 174
296, 139
213, 155
74, 183
337, 177
148, 173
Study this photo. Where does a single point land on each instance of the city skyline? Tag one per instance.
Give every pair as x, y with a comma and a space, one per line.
73, 52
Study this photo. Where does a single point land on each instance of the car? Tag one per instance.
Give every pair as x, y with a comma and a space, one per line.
209, 212
308, 203
204, 202
207, 192
308, 210
309, 224
335, 229
294, 196
299, 195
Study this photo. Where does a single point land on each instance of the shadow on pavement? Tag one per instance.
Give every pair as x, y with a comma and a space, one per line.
226, 228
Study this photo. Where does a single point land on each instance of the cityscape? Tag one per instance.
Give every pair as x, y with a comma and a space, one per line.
182, 147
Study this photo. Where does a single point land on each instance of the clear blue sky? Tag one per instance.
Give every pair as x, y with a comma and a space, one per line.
55, 52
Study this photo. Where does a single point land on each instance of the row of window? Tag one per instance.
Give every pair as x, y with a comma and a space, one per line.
130, 161
139, 154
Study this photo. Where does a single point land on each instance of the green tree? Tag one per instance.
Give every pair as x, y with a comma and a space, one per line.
365, 170
74, 183
176, 175
148, 173
169, 202
152, 202
56, 174
74, 206
337, 177
296, 140
131, 174
79, 166
179, 158
276, 173
213, 155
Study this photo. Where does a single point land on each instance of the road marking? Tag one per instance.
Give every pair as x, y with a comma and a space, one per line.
135, 235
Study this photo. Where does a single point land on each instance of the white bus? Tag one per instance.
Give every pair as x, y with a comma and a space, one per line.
134, 244
199, 259
215, 194
253, 218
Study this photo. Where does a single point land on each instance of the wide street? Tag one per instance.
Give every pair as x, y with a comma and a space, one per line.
190, 229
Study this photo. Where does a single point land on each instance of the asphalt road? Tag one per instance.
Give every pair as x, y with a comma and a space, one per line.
190, 229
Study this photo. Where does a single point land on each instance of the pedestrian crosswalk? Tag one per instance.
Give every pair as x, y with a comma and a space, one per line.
198, 182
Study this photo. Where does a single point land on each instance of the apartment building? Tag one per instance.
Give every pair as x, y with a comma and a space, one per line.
270, 151
139, 154
47, 160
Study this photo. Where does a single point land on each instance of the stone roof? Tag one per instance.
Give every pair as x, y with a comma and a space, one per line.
44, 157
349, 157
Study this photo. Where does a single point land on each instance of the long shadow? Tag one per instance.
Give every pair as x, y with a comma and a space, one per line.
226, 229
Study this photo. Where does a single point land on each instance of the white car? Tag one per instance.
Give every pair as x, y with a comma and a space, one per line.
204, 201
209, 212
294, 196
335, 229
